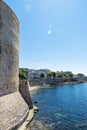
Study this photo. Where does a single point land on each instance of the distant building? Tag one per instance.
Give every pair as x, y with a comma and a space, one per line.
33, 75
37, 73
67, 72
44, 71
58, 73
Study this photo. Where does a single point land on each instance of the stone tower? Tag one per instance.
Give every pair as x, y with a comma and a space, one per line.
14, 105
9, 50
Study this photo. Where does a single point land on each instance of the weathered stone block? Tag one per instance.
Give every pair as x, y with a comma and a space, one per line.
9, 50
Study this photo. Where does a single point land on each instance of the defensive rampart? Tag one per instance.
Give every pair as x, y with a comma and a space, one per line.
15, 106
9, 50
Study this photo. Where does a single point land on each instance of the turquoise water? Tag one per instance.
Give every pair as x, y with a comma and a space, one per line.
63, 107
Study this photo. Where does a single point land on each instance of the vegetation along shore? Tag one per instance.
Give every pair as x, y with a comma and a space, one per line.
44, 77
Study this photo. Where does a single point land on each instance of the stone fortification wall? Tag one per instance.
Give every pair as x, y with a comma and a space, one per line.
14, 110
9, 50
24, 90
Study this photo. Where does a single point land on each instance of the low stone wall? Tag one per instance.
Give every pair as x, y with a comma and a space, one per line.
57, 81
35, 82
16, 109
24, 90
13, 111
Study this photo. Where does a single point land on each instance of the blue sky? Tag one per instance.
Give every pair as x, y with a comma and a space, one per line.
53, 34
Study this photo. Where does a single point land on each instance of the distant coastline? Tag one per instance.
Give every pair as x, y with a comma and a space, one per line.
56, 81
45, 77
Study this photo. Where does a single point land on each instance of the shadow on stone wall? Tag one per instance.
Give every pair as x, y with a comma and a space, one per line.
24, 90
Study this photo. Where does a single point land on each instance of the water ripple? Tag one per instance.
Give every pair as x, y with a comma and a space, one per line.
63, 108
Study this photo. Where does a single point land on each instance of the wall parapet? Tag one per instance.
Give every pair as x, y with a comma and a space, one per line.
24, 90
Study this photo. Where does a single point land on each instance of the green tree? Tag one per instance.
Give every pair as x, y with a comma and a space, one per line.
63, 75
71, 75
49, 75
52, 74
22, 74
80, 74
42, 75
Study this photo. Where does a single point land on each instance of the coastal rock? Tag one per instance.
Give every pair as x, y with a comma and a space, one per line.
37, 125
35, 109
35, 102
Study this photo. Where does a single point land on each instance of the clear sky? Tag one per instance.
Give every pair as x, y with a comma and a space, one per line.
53, 34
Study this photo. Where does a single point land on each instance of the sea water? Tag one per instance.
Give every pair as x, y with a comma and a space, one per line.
62, 107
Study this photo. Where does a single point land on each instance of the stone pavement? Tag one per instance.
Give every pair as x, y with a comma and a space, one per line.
13, 111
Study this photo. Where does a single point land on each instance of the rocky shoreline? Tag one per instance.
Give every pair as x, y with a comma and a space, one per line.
37, 125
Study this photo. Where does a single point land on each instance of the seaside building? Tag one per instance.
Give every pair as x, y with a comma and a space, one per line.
37, 73
34, 75
14, 106
67, 72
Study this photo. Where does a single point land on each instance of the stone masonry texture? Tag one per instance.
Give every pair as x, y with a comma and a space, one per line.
14, 105
9, 50
13, 108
